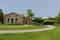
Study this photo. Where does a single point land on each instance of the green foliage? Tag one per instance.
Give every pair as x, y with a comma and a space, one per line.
50, 18
22, 14
34, 23
57, 18
1, 16
38, 20
48, 23
59, 13
14, 24
29, 13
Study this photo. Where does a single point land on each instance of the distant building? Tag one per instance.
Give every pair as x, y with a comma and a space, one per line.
50, 22
16, 18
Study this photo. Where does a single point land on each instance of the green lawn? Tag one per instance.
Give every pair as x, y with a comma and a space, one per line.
19, 27
46, 35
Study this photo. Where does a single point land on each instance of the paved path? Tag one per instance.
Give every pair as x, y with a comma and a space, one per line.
23, 31
15, 26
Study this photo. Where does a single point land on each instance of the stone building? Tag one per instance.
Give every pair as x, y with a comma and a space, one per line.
16, 18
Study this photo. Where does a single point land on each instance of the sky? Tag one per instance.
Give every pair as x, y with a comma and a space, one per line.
41, 8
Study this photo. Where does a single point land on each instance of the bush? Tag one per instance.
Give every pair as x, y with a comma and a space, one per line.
38, 21
34, 23
38, 24
48, 23
15, 24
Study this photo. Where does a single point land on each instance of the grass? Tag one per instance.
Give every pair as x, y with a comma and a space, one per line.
45, 35
19, 27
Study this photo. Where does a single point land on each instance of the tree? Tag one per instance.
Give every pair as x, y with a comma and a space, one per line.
29, 13
38, 20
59, 13
1, 16
22, 14
50, 18
57, 18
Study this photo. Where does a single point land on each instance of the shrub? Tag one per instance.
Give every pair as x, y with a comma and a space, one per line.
14, 24
48, 23
38, 21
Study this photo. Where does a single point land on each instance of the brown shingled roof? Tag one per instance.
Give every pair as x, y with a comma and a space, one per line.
27, 18
18, 14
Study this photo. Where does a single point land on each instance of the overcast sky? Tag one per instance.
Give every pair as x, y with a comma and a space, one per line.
44, 8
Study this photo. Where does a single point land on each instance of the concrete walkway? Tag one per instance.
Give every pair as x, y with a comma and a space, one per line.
24, 31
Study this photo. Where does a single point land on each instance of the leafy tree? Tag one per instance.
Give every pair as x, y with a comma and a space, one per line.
22, 14
59, 13
57, 18
1, 16
50, 18
29, 13
38, 20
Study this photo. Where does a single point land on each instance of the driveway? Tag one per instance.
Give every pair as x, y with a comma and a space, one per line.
49, 27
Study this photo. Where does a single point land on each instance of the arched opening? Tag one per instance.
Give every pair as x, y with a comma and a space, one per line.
16, 20
8, 20
12, 20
